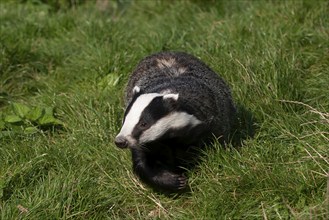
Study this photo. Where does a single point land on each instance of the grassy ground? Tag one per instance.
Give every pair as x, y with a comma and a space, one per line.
63, 69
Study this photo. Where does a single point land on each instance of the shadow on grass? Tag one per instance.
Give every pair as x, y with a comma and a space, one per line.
245, 126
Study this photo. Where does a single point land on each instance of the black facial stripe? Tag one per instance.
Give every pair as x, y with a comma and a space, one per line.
157, 109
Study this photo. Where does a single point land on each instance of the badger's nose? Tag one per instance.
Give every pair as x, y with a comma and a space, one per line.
121, 141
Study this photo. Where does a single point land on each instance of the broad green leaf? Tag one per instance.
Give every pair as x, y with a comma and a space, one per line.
20, 109
31, 130
49, 111
15, 126
47, 120
12, 119
34, 114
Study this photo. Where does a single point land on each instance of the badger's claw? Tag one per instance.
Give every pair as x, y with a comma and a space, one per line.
181, 182
171, 181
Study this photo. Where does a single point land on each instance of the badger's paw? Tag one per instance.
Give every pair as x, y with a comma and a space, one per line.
171, 181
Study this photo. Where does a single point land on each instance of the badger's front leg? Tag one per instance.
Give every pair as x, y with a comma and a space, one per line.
156, 174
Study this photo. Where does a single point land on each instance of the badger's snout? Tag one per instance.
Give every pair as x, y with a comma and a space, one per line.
121, 141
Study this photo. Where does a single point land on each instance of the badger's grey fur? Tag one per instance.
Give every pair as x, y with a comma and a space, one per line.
174, 103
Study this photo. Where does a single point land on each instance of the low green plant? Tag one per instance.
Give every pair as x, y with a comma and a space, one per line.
27, 119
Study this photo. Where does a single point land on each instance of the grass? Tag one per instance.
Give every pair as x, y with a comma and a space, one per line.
75, 59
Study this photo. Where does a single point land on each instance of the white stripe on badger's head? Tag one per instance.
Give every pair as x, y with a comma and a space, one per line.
173, 121
150, 116
133, 116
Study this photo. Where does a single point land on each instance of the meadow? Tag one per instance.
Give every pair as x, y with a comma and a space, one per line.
63, 69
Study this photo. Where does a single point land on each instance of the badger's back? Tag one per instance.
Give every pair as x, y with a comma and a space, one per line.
202, 92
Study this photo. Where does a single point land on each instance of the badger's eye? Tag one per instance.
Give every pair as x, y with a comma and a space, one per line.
142, 124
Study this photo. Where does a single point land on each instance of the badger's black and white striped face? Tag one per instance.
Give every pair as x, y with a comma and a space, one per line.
149, 117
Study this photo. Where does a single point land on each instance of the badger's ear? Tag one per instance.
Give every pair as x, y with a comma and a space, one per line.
170, 100
172, 96
136, 90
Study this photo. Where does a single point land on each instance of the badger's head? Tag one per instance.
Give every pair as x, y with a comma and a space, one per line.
150, 117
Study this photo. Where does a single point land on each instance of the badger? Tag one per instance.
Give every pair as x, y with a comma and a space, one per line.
174, 105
